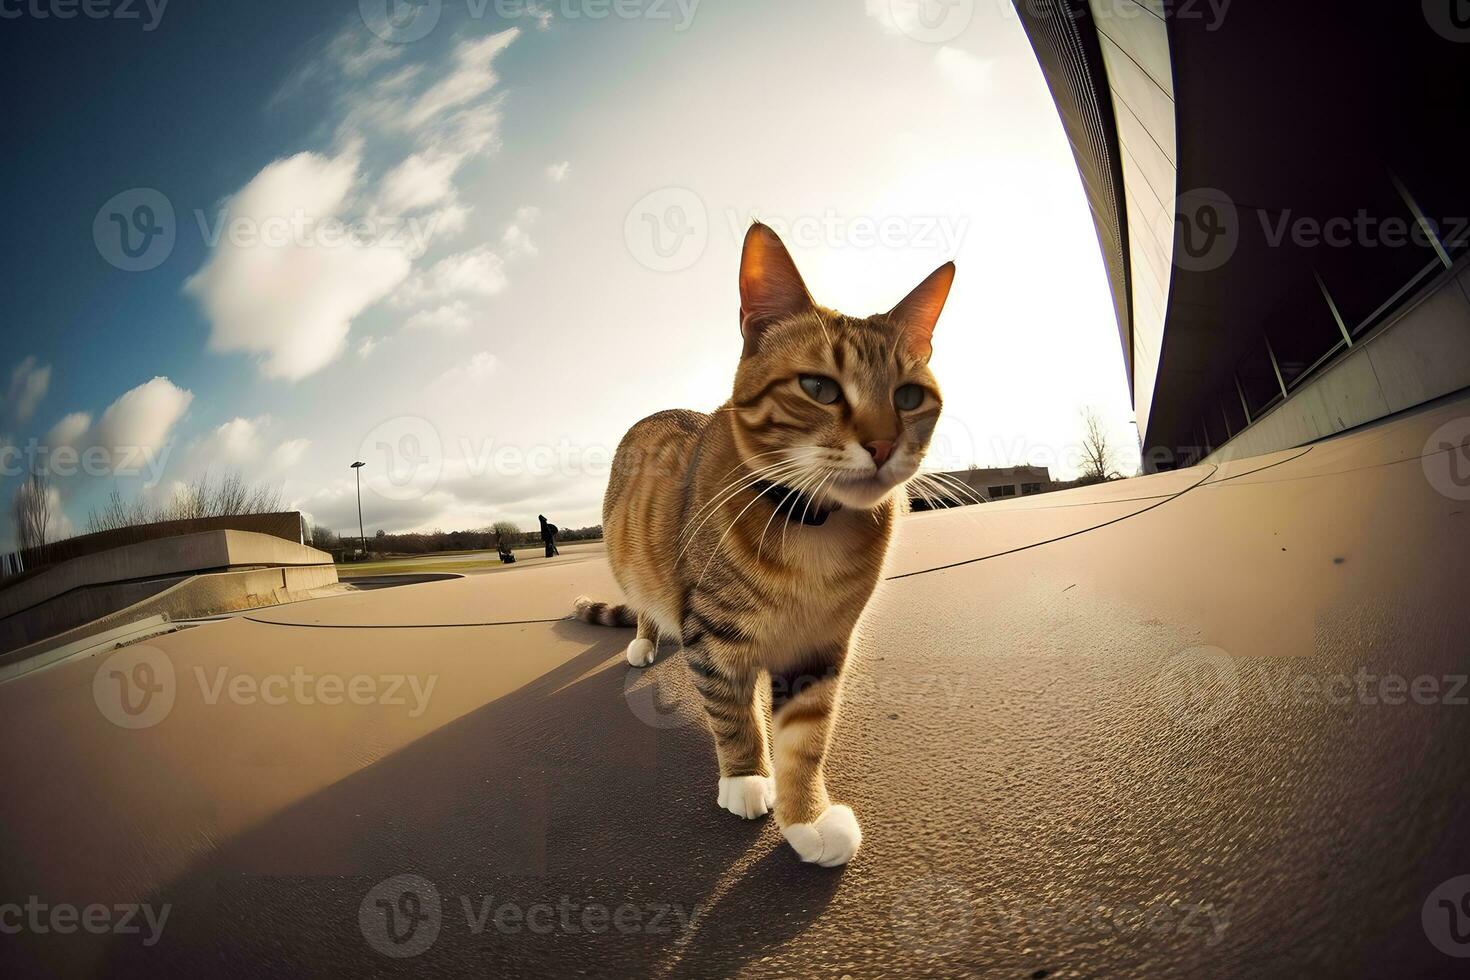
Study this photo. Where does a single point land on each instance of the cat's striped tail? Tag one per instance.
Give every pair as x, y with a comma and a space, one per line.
603, 613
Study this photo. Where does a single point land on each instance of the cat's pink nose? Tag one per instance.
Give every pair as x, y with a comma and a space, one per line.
880, 450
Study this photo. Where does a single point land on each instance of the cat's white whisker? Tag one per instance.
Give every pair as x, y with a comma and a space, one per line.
751, 477
777, 471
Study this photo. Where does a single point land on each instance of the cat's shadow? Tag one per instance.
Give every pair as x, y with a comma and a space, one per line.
566, 827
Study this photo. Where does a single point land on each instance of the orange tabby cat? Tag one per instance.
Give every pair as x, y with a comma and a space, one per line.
756, 534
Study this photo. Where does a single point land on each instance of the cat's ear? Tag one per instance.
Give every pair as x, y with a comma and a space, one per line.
919, 311
770, 286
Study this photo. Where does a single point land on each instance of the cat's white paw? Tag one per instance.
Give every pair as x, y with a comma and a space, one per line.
641, 652
832, 839
748, 796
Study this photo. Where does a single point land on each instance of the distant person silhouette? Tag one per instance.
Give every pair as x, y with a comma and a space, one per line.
507, 556
548, 535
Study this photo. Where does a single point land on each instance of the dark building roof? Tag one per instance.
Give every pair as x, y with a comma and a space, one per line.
1289, 116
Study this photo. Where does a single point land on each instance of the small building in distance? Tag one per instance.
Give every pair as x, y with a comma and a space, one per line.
989, 485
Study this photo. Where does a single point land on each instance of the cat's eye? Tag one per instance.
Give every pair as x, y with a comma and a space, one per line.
823, 390
908, 398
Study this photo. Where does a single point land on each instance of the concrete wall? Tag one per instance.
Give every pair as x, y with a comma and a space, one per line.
1422, 354
92, 610
285, 524
180, 577
165, 557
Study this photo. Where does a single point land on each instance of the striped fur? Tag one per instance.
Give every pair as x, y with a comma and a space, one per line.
603, 613
764, 606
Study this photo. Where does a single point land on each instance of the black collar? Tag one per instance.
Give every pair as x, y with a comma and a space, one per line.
795, 507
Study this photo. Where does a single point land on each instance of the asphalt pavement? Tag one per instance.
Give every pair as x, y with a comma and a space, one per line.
1206, 723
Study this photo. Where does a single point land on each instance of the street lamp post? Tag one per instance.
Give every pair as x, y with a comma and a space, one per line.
362, 535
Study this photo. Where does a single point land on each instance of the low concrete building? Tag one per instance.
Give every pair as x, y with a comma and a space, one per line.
989, 484
177, 576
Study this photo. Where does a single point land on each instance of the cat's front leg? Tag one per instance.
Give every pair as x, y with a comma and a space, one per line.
804, 702
719, 656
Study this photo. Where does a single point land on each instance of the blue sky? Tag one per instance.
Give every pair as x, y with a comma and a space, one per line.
501, 310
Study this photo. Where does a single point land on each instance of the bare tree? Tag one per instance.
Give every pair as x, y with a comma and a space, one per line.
1097, 449
32, 511
200, 497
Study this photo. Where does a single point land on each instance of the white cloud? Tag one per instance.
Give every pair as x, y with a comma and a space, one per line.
366, 348
143, 417
450, 318
293, 301
357, 53
419, 181
70, 430
516, 241
134, 433
477, 368
242, 445
479, 272
882, 11
29, 382
471, 78
234, 444
450, 220
463, 498
904, 17
967, 72
289, 453
558, 172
